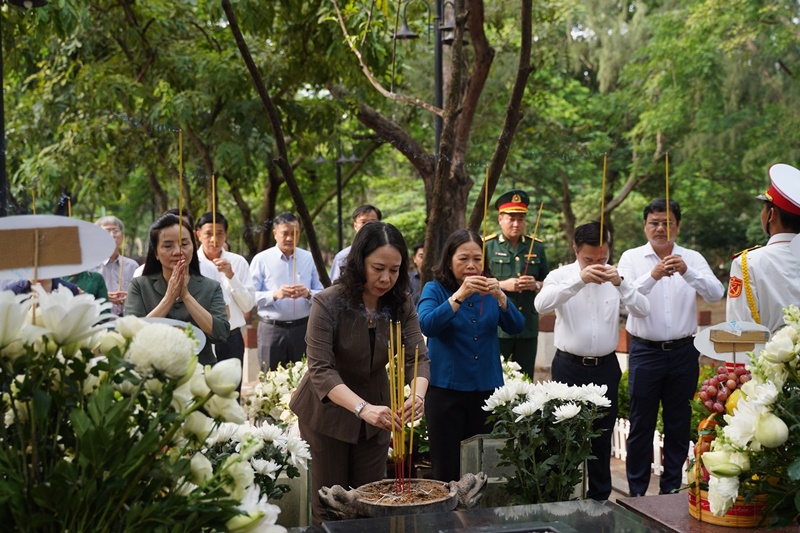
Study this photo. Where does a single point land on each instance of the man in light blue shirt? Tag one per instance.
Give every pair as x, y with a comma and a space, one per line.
285, 279
361, 215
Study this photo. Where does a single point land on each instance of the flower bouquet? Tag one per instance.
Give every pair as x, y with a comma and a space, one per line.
106, 430
548, 427
755, 456
270, 398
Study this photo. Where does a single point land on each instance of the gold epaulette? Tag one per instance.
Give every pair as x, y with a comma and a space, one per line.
734, 256
490, 237
536, 239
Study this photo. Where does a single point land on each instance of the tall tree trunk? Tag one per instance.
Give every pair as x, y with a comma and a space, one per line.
282, 160
270, 200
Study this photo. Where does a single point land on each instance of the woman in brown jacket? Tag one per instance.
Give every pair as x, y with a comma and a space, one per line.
342, 401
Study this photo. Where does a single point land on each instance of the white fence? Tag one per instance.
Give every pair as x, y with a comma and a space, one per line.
619, 447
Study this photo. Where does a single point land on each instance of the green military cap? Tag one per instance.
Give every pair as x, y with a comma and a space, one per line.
515, 201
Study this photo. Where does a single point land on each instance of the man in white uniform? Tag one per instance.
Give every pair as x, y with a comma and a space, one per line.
765, 279
586, 297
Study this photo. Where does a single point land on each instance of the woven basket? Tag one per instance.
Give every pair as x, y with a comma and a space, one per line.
740, 515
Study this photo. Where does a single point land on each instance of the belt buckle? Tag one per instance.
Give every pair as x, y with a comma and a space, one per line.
595, 359
667, 346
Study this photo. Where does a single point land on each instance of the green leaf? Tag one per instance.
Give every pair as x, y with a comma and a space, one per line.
794, 470
81, 423
41, 406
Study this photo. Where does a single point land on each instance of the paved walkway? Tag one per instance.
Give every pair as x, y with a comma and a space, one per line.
619, 481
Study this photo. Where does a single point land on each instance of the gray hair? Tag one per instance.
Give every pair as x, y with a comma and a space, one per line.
108, 219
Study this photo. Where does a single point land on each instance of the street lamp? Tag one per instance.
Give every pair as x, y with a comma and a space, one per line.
341, 160
440, 25
25, 4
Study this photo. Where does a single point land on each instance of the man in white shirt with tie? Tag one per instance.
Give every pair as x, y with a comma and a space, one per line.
232, 272
663, 365
586, 297
286, 279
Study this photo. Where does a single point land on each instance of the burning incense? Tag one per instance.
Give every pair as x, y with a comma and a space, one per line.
603, 197
180, 186
533, 239
667, 188
214, 209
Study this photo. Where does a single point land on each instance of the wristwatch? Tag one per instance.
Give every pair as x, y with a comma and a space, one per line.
359, 408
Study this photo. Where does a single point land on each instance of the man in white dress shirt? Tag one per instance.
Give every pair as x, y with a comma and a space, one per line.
764, 280
286, 279
361, 215
663, 366
232, 272
586, 296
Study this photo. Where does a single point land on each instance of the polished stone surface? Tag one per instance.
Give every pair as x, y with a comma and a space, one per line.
671, 511
562, 517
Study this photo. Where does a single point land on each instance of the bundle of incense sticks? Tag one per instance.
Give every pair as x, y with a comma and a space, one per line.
397, 375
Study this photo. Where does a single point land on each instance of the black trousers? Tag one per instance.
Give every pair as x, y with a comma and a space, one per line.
574, 373
280, 344
453, 416
661, 377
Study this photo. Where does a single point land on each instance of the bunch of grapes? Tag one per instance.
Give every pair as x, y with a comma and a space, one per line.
715, 391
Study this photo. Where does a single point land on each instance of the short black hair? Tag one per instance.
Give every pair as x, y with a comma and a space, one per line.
364, 210
286, 217
790, 221
208, 218
659, 205
443, 271
589, 233
354, 275
151, 264
417, 246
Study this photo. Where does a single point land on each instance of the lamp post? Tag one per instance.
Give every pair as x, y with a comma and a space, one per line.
341, 160
25, 4
440, 25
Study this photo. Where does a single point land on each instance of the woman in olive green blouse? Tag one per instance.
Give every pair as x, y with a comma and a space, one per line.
171, 285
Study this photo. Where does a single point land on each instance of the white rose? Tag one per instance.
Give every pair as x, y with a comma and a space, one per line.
198, 425
722, 494
771, 431
780, 348
224, 377
226, 409
201, 469
129, 326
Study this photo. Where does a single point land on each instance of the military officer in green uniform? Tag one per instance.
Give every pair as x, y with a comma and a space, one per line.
520, 271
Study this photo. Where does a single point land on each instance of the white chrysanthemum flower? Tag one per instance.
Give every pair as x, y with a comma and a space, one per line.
742, 424
524, 410
268, 432
265, 467
298, 451
249, 446
70, 318
164, 348
722, 494
763, 394
566, 411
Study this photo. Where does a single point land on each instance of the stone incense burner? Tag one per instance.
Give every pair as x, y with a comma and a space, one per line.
380, 498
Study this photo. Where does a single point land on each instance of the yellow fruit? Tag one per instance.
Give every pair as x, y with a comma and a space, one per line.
733, 400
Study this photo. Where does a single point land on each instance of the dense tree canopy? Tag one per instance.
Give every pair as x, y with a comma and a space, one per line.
96, 93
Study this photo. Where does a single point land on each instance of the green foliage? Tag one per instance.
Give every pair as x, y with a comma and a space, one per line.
546, 448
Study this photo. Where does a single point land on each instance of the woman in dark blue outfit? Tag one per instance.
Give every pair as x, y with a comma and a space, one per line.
459, 312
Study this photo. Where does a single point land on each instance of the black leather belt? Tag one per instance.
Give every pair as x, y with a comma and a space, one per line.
284, 323
665, 346
585, 360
